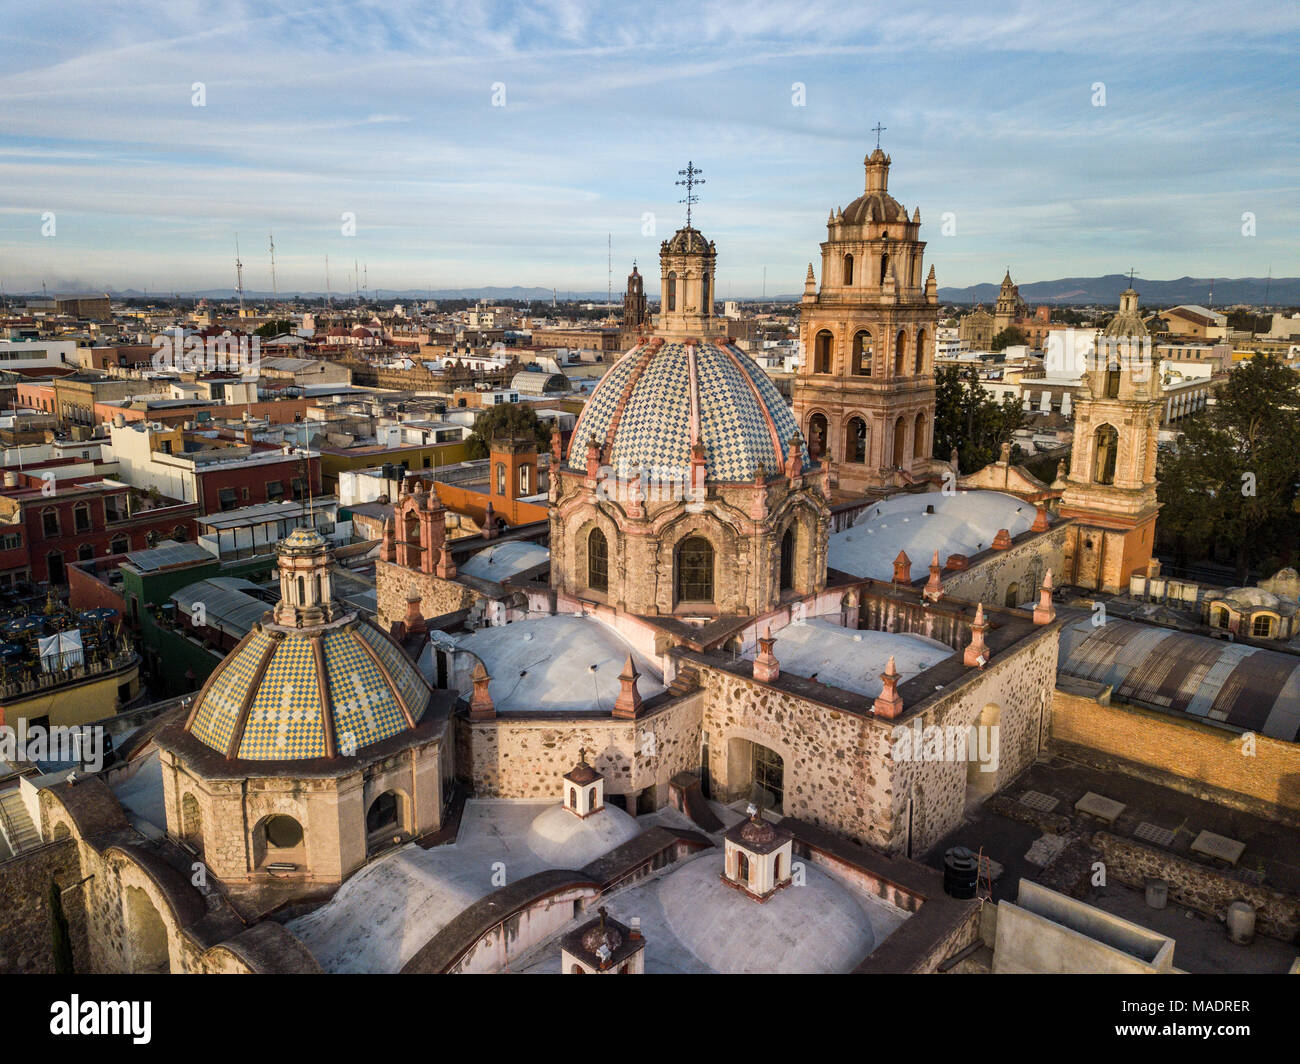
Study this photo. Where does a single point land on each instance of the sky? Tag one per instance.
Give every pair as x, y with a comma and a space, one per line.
482, 143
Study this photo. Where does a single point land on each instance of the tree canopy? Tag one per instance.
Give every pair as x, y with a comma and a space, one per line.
1231, 479
971, 419
273, 328
507, 419
1008, 337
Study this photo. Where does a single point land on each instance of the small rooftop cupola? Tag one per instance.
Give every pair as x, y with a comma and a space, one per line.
584, 788
877, 167
603, 947
757, 856
306, 590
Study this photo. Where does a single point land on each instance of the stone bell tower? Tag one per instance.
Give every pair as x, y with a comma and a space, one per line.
1111, 488
864, 394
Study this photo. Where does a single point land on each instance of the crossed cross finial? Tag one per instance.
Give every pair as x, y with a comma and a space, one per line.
878, 129
692, 179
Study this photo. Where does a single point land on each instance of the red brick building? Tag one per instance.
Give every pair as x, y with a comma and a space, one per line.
44, 529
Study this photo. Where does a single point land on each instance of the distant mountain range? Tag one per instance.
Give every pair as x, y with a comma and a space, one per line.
1105, 290
1279, 291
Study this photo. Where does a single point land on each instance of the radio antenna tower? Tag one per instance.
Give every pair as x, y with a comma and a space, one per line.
239, 277
329, 302
275, 291
609, 266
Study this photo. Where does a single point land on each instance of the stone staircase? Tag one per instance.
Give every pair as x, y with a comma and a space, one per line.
16, 823
687, 679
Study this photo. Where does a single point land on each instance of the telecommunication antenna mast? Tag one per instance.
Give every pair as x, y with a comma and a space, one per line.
275, 291
239, 277
329, 302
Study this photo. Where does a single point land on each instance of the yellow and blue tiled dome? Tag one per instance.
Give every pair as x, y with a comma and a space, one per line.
643, 412
278, 696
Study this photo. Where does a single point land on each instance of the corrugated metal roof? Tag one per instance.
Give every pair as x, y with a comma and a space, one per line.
228, 606
1243, 687
148, 561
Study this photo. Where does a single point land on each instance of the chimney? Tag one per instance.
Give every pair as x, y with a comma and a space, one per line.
977, 652
480, 706
414, 620
1044, 611
934, 586
446, 567
628, 704
766, 667
889, 703
902, 568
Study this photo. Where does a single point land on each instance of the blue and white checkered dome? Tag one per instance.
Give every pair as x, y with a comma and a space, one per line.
275, 695
641, 413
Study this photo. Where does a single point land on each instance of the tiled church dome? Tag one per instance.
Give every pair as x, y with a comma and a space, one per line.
310, 680
367, 677
644, 412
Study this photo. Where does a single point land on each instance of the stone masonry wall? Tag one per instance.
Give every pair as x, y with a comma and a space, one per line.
437, 596
1207, 890
26, 935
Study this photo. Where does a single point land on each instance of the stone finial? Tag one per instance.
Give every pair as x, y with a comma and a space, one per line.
766, 667
934, 586
480, 706
489, 522
388, 548
593, 458
628, 704
810, 282
1044, 611
557, 455
889, 703
414, 620
793, 457
902, 568
446, 567
977, 651
1040, 520
1002, 541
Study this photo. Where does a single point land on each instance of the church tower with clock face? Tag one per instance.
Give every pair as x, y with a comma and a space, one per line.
864, 394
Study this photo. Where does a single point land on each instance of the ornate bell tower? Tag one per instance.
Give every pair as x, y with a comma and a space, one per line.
1111, 489
864, 394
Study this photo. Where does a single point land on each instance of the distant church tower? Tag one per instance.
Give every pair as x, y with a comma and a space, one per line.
864, 395
635, 318
1111, 489
1009, 306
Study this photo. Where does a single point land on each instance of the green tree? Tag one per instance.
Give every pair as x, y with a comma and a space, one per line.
508, 419
970, 419
1231, 478
1008, 337
273, 328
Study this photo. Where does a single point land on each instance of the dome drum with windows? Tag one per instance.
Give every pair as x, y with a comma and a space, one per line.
313, 679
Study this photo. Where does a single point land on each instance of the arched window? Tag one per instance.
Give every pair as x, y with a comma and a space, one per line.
1262, 628
900, 443
81, 517
50, 523
817, 435
918, 437
787, 559
671, 294
900, 351
848, 269
920, 352
863, 353
884, 267
1219, 617
85, 552
573, 798
302, 591
597, 561
119, 545
695, 570
525, 480
1012, 598
1112, 381
283, 832
1106, 447
704, 294
501, 478
823, 352
742, 866
855, 441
